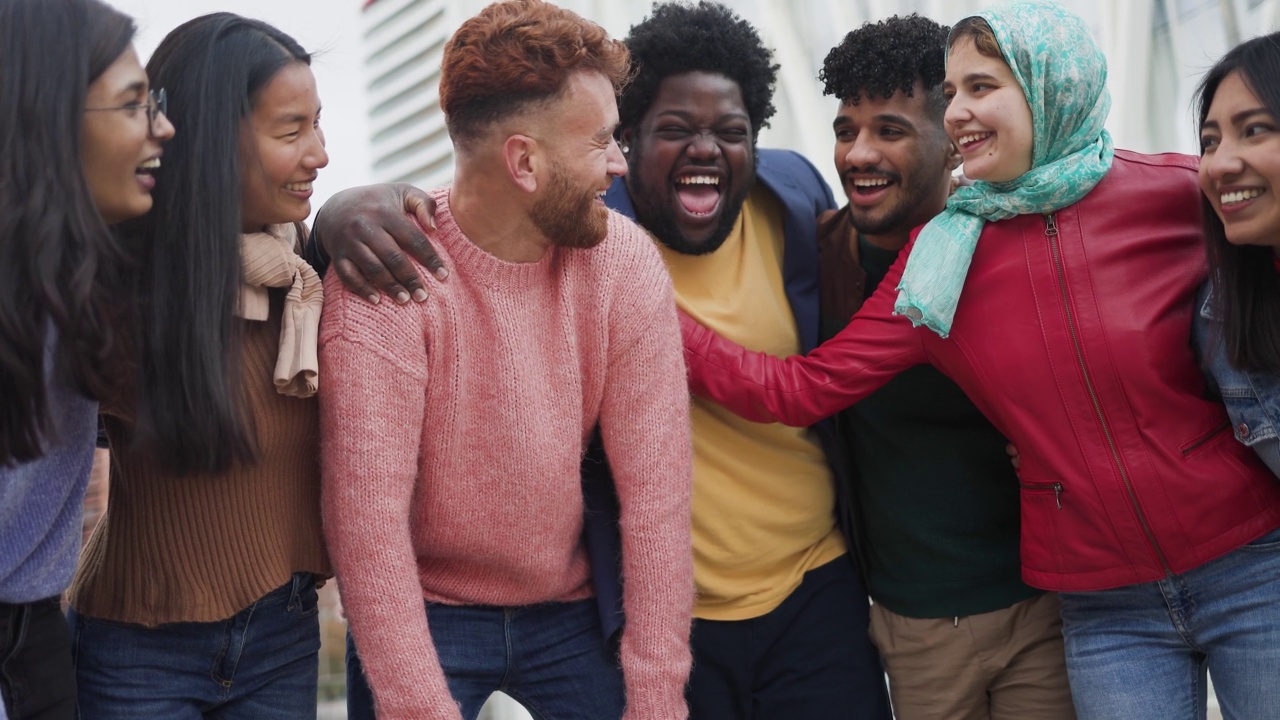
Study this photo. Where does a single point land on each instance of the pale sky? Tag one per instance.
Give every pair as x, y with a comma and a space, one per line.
328, 28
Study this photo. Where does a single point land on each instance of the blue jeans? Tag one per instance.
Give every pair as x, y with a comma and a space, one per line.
548, 657
1141, 652
810, 657
261, 663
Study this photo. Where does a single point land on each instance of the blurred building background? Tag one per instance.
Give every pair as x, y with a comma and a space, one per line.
1157, 51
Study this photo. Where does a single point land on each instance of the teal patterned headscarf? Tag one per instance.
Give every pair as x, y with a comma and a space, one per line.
1063, 75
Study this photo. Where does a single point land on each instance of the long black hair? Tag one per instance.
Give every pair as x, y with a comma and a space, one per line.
53, 241
191, 410
1247, 286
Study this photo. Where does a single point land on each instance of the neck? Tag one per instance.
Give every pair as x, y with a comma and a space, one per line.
487, 214
894, 240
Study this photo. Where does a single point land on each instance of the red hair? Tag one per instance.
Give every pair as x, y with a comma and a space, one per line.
518, 53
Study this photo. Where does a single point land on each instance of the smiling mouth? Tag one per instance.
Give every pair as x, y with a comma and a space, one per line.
698, 194
298, 187
1239, 196
971, 138
148, 167
870, 186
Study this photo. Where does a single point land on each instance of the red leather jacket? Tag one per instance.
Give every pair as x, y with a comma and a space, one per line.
1073, 337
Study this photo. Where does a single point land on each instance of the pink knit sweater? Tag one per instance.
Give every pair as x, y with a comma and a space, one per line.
452, 432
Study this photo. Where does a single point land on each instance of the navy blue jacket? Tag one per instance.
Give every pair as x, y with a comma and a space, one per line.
803, 195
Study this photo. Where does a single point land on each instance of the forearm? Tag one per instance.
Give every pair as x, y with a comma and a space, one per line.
371, 420
802, 389
645, 427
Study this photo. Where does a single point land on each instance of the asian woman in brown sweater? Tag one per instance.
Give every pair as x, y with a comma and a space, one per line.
196, 595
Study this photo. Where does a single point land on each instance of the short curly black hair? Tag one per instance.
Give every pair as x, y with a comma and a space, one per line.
879, 59
681, 37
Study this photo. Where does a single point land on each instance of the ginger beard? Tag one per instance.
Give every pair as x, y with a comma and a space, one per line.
568, 216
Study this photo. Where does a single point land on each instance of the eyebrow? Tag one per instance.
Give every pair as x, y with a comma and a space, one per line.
890, 118
137, 87
1239, 117
297, 118
688, 115
978, 76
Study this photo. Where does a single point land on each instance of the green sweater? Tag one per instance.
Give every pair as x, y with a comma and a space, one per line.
936, 499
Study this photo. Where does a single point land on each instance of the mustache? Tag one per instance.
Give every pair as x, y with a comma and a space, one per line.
868, 172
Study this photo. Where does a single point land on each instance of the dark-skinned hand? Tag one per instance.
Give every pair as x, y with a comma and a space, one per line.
370, 232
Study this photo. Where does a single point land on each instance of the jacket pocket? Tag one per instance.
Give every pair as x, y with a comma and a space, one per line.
1053, 488
1205, 440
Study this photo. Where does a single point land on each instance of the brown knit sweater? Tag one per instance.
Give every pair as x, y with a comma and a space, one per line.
203, 548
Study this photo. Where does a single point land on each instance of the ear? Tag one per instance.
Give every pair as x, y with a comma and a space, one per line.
954, 158
625, 138
523, 159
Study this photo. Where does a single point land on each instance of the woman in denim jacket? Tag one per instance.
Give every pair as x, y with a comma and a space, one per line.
1237, 327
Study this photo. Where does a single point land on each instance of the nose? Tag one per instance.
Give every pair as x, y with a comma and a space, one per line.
957, 112
863, 153
703, 146
317, 156
1223, 162
615, 163
162, 129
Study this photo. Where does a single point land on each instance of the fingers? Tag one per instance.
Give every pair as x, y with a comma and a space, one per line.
354, 280
423, 208
1014, 457
367, 274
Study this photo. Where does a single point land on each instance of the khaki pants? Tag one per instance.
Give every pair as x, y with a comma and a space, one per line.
1006, 664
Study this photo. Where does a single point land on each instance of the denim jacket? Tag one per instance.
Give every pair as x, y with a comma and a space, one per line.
1252, 398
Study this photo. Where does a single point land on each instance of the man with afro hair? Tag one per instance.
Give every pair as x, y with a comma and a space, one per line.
781, 618
936, 498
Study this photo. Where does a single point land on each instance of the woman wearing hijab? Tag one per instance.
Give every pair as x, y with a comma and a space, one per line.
1057, 291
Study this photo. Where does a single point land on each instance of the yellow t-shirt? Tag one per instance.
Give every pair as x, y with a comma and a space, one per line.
763, 497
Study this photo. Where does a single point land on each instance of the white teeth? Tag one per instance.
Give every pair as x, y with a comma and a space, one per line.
298, 187
698, 180
974, 137
151, 164
1240, 196
873, 182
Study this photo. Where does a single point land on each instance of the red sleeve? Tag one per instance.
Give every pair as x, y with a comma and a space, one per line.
802, 389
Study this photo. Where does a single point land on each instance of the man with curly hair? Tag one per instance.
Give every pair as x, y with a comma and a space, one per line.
936, 498
781, 615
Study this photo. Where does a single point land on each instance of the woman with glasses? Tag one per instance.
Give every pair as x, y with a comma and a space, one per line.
77, 153
196, 595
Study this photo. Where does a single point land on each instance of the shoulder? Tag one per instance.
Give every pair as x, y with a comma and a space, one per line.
627, 245
351, 317
791, 177
1168, 177
626, 260
1157, 160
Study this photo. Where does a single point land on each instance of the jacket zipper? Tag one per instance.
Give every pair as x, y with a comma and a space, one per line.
1051, 232
1043, 487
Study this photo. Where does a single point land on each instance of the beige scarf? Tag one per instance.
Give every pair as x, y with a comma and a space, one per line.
270, 259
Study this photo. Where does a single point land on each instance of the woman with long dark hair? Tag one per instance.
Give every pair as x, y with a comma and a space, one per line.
1058, 292
80, 133
196, 595
1238, 316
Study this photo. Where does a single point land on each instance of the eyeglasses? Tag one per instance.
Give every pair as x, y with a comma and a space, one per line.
156, 105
